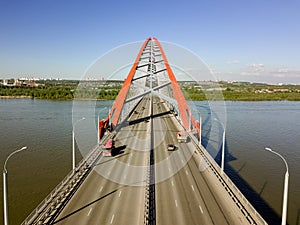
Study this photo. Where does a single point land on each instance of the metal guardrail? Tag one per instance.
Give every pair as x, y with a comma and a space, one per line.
147, 195
49, 208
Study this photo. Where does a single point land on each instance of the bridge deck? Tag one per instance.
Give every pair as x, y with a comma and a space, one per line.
186, 196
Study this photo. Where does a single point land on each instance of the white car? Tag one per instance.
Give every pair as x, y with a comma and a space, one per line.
171, 147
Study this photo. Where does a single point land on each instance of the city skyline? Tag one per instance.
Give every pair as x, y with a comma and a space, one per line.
245, 41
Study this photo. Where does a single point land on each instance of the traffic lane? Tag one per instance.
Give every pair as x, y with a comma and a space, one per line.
116, 212
93, 191
230, 209
176, 203
81, 215
124, 208
199, 196
98, 209
192, 177
217, 200
170, 206
142, 110
131, 210
135, 140
183, 179
214, 194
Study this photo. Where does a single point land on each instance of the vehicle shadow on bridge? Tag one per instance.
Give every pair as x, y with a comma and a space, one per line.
144, 119
109, 159
269, 215
118, 150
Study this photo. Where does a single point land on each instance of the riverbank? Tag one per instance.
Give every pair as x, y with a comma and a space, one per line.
29, 97
225, 97
13, 97
195, 91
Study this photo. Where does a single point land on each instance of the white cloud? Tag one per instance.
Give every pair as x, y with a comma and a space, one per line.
250, 73
259, 72
254, 69
256, 65
233, 62
286, 72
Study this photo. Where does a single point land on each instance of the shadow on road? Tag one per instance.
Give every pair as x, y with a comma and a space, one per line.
83, 207
118, 150
110, 159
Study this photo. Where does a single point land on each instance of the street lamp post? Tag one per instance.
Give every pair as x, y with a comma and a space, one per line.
286, 187
223, 151
73, 143
223, 146
5, 196
98, 135
200, 130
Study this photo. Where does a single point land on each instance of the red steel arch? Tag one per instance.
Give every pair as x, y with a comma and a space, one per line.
117, 107
183, 107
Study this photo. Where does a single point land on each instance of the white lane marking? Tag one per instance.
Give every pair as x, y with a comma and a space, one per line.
200, 209
112, 219
172, 183
89, 212
176, 203
193, 188
182, 161
169, 169
120, 194
187, 173
100, 189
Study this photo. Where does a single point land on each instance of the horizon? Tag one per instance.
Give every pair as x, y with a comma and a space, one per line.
121, 80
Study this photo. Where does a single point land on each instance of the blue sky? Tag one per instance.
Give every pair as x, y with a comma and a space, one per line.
239, 40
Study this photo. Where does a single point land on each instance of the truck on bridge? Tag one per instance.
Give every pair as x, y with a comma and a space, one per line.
181, 137
108, 147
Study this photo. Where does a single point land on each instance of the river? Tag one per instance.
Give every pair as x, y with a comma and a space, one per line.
45, 127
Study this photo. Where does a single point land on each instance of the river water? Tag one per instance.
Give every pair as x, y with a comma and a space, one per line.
45, 127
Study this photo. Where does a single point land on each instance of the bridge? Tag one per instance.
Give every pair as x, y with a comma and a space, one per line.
145, 181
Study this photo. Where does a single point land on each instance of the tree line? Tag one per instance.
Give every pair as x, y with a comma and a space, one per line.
58, 92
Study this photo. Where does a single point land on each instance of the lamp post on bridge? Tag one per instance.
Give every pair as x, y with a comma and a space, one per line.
5, 188
200, 129
223, 145
286, 187
73, 143
98, 135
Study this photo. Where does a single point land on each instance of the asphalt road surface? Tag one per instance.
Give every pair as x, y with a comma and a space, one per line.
114, 192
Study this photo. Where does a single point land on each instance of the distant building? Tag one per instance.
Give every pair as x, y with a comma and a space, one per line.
18, 83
